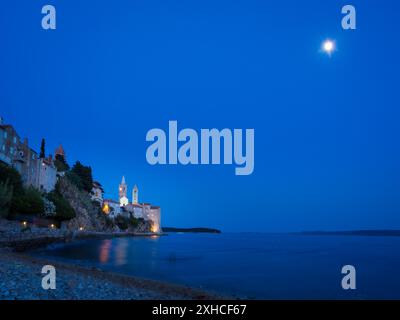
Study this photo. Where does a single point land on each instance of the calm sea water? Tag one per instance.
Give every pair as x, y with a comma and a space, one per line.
250, 265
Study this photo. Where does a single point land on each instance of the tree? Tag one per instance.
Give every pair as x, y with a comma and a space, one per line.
12, 176
22, 200
64, 211
29, 202
74, 179
122, 222
60, 163
6, 193
43, 149
84, 173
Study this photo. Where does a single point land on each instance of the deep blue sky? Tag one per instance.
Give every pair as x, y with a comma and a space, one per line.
327, 134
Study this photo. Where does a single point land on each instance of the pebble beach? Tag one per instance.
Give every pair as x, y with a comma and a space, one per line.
21, 277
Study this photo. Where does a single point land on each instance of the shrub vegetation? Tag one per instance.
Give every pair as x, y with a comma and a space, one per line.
6, 194
23, 200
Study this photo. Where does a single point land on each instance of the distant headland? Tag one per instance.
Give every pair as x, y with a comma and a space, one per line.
191, 230
367, 233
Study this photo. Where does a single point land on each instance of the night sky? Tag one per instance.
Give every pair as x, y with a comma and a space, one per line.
326, 128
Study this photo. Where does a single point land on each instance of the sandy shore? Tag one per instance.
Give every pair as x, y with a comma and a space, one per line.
21, 278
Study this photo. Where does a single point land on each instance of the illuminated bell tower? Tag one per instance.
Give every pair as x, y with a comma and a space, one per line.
123, 188
135, 195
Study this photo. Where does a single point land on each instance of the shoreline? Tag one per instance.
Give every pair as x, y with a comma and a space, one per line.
21, 280
21, 272
32, 240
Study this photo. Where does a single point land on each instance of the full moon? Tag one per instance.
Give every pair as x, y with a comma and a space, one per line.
328, 46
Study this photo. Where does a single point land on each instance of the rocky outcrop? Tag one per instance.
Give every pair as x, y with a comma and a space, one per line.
143, 226
20, 238
88, 215
14, 235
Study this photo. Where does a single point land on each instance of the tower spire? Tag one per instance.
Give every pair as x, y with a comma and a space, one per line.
123, 189
135, 195
60, 151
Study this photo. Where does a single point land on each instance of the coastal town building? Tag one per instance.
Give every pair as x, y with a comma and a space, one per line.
35, 171
47, 175
111, 208
97, 192
60, 152
123, 189
138, 210
42, 174
135, 195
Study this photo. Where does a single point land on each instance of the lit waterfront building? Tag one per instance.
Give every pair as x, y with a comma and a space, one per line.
136, 209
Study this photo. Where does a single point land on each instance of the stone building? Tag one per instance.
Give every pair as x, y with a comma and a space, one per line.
47, 174
36, 172
60, 152
111, 208
97, 192
123, 207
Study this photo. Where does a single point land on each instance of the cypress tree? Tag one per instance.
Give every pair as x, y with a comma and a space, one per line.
43, 149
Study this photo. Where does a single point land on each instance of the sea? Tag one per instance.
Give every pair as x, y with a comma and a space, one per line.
249, 265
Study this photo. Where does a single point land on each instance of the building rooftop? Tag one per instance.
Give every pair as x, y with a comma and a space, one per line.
60, 151
110, 200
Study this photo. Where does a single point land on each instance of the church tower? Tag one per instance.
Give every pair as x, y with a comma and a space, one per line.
123, 188
60, 152
135, 195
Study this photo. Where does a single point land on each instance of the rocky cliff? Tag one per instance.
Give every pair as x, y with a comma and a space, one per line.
88, 215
